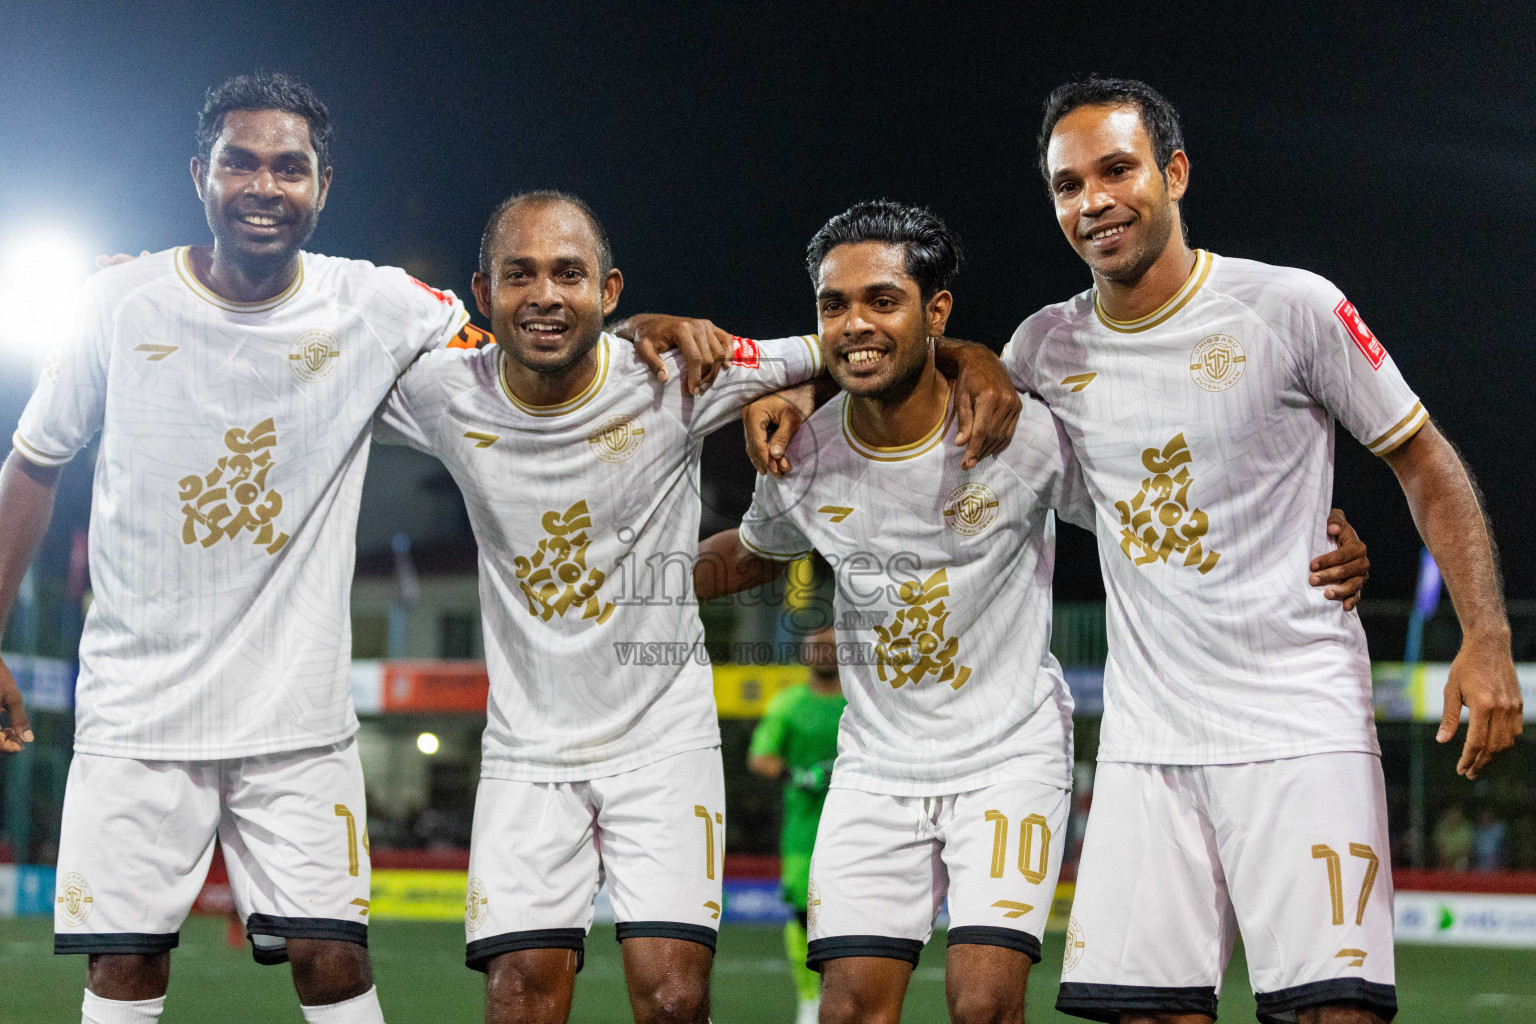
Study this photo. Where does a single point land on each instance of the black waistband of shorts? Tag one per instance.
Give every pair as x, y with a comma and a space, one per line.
840, 947
992, 935
479, 953
667, 930
1379, 997
125, 943
1108, 1002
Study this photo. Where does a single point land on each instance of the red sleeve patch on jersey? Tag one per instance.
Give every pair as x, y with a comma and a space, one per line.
1365, 341
470, 336
744, 352
439, 296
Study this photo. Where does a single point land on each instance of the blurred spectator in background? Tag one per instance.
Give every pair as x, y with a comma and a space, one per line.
1488, 841
1453, 840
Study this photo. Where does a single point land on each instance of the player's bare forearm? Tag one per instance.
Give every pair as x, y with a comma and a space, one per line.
769, 766
705, 347
26, 505
727, 566
987, 403
1446, 510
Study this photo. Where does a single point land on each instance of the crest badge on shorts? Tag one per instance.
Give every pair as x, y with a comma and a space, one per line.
1073, 953
75, 898
313, 355
617, 438
970, 508
476, 905
812, 903
1217, 362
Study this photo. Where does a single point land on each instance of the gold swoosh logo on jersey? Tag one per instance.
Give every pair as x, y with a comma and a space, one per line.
157, 352
837, 512
482, 440
1078, 380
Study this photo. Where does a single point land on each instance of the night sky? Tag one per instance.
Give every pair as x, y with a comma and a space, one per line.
1393, 154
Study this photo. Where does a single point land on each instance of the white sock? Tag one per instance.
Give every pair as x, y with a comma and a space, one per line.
120, 1011
363, 1009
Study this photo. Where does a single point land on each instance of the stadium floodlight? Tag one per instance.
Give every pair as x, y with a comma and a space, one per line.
39, 272
427, 743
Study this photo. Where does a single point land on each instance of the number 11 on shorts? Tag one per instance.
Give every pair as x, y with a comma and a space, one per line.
710, 821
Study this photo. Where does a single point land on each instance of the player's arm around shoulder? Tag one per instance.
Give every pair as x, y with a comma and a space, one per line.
419, 405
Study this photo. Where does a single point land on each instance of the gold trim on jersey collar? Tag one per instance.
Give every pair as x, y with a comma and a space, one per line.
900, 453
570, 404
183, 263
1180, 298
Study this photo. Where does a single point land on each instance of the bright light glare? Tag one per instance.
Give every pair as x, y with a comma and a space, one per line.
427, 743
39, 272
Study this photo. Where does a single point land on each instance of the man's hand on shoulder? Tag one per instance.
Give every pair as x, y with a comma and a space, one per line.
705, 348
104, 261
986, 401
772, 421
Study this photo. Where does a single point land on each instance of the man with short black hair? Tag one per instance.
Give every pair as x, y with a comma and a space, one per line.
1239, 784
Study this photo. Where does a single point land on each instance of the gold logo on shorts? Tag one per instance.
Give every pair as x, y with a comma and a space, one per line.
970, 508
75, 897
1216, 363
812, 903
617, 438
1073, 954
476, 905
313, 355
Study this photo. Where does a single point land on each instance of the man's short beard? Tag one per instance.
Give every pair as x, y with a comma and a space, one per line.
577, 354
260, 266
1158, 233
903, 383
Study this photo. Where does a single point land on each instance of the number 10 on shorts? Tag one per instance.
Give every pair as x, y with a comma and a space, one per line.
1031, 866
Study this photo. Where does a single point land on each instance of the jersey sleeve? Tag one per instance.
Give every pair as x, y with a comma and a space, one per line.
769, 736
768, 529
414, 406
1349, 373
1018, 354
1041, 455
756, 368
432, 318
70, 401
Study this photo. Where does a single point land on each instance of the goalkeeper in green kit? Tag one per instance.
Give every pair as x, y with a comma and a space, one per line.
797, 741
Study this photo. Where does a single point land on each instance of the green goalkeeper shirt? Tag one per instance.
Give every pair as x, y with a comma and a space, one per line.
800, 726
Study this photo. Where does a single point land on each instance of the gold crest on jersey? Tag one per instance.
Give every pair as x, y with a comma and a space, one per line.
914, 646
617, 438
313, 355
74, 899
970, 508
557, 578
1217, 361
233, 496
477, 905
1072, 954
1160, 521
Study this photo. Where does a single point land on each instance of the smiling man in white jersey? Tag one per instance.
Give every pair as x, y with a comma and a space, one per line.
234, 388
1239, 786
955, 751
581, 475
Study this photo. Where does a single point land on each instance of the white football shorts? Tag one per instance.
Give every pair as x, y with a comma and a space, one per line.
137, 837
1178, 859
541, 850
883, 866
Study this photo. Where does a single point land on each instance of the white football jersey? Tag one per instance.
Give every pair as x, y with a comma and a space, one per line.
1205, 430
587, 518
943, 601
224, 508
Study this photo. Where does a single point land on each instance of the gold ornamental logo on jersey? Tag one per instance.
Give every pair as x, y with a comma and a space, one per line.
74, 899
1160, 520
970, 508
313, 355
915, 646
617, 438
556, 578
1216, 362
233, 496
477, 905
